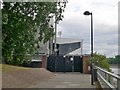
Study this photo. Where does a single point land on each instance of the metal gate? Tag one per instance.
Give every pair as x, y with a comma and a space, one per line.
62, 63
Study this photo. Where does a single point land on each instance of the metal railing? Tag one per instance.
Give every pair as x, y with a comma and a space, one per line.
106, 79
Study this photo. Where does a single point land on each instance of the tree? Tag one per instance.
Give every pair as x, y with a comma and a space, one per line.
101, 61
24, 25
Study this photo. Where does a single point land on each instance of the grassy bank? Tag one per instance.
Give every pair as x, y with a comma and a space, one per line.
21, 77
7, 68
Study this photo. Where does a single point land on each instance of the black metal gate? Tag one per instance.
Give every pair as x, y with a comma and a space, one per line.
78, 64
62, 63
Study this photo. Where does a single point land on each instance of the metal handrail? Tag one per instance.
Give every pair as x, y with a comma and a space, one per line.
106, 81
112, 74
111, 86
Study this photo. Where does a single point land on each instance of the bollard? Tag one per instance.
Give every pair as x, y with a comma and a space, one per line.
95, 74
92, 77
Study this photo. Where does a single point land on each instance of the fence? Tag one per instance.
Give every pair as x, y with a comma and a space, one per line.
106, 79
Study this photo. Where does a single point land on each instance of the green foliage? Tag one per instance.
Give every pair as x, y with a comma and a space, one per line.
24, 25
101, 61
115, 60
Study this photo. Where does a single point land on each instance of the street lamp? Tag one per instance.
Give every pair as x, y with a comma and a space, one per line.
90, 13
55, 44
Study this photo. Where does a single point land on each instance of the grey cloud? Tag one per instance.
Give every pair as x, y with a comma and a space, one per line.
74, 25
102, 38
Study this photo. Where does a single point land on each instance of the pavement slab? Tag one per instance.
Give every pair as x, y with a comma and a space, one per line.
67, 80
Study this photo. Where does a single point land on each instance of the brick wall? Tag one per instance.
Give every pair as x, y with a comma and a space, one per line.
44, 61
86, 68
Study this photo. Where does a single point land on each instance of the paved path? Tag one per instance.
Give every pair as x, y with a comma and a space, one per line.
67, 80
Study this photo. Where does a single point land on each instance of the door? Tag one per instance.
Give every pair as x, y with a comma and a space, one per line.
78, 64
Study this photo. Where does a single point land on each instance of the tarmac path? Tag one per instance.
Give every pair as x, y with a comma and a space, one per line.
67, 80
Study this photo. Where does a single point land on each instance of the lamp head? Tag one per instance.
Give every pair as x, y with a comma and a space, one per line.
87, 13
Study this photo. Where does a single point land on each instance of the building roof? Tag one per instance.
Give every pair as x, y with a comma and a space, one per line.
75, 52
67, 40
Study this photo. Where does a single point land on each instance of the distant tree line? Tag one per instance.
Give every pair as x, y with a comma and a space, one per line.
114, 60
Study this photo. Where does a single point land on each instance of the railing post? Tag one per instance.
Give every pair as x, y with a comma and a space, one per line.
107, 77
118, 84
103, 73
111, 79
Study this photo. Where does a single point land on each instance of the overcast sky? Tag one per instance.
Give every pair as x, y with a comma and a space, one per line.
105, 20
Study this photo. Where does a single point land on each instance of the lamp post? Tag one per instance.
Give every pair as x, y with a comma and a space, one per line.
90, 13
55, 44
